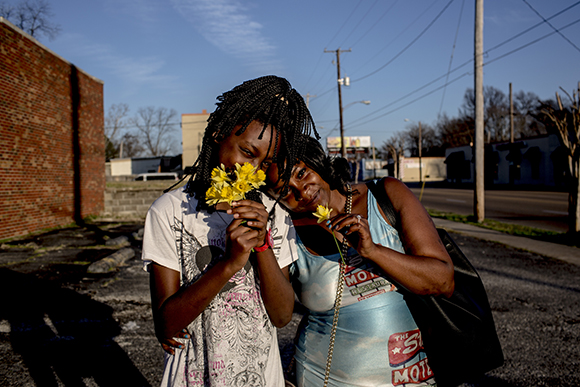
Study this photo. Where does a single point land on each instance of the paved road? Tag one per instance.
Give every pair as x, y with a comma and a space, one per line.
60, 326
538, 209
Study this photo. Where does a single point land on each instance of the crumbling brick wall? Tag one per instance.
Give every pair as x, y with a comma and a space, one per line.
52, 148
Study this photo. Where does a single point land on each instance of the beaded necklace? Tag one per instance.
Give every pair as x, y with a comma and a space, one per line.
339, 289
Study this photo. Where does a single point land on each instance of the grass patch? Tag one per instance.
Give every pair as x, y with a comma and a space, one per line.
511, 229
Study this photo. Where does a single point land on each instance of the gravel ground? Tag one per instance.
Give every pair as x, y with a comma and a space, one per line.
60, 326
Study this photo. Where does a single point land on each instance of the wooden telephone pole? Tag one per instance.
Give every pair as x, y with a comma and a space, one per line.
479, 197
339, 82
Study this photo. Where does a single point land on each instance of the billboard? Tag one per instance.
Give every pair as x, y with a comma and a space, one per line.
349, 142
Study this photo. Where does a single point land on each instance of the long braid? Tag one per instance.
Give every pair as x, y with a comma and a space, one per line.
270, 100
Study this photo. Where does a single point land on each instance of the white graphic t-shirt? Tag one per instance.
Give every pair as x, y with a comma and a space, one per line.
233, 342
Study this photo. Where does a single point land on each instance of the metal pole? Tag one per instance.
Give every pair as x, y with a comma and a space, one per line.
479, 197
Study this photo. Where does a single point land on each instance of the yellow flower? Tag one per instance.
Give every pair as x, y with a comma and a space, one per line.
227, 194
212, 196
225, 189
243, 171
257, 179
219, 176
241, 186
322, 213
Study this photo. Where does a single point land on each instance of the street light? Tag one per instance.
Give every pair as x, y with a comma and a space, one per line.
420, 149
342, 145
366, 102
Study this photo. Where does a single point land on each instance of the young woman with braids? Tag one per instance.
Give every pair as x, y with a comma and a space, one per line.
219, 282
376, 341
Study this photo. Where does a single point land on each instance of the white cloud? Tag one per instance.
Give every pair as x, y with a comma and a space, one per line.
227, 25
143, 10
134, 72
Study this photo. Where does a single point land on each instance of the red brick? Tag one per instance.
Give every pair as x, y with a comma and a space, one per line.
36, 138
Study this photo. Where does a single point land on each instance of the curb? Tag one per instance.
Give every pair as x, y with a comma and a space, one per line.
552, 250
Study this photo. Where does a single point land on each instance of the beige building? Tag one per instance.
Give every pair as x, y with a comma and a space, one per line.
192, 129
430, 169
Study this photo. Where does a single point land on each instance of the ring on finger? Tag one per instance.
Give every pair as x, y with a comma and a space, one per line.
358, 218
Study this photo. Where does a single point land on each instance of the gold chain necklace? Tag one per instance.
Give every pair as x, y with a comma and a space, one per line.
339, 289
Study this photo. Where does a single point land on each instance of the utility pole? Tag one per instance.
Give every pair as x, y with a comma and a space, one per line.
339, 82
511, 115
308, 96
420, 152
479, 197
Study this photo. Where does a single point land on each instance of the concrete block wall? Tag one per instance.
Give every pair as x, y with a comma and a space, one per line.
129, 203
52, 148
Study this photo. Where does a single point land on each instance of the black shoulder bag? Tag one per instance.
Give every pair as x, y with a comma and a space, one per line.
458, 332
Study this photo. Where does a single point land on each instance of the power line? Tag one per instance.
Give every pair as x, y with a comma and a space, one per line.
413, 101
452, 53
554, 28
409, 45
377, 22
530, 43
400, 33
360, 21
466, 63
347, 19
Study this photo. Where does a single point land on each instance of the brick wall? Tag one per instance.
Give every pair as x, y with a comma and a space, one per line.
52, 165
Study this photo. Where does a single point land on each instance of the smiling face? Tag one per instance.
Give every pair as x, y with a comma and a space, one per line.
247, 147
306, 189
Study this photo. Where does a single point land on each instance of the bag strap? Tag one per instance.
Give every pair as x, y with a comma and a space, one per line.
380, 194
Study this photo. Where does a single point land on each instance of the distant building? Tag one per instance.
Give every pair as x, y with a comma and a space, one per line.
538, 161
128, 168
192, 129
431, 169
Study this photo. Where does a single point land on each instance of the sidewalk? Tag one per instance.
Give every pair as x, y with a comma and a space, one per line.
552, 250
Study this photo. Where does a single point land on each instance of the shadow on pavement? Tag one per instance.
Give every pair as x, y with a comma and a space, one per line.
63, 335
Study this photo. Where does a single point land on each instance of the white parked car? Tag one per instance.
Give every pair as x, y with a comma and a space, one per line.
157, 176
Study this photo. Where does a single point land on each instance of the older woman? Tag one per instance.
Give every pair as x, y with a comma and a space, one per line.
370, 337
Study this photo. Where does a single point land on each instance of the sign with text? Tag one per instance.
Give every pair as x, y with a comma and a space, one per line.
349, 142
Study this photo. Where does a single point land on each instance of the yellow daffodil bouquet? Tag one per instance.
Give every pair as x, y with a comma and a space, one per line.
229, 187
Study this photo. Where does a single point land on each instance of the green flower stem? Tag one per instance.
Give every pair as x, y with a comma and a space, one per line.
339, 249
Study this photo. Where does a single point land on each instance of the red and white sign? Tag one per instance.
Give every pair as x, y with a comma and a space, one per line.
403, 346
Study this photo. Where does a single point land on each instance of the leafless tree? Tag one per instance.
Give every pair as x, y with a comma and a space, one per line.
155, 126
115, 123
131, 145
31, 16
395, 148
565, 122
430, 144
454, 132
497, 114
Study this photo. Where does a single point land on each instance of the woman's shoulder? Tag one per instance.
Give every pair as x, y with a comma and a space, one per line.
176, 198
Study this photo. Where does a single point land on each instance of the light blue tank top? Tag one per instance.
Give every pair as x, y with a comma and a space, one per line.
377, 341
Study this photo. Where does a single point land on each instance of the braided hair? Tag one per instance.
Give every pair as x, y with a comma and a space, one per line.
270, 100
334, 170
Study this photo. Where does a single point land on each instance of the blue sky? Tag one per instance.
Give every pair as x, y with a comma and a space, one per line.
181, 54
